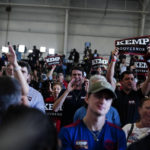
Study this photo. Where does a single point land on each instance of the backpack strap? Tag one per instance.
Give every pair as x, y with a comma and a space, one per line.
130, 132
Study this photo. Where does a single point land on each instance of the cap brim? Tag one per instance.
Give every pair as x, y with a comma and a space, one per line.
114, 96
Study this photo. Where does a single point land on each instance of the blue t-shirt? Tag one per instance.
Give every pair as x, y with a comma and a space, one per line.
78, 137
112, 115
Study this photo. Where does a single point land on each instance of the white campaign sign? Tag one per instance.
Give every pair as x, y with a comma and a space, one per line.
53, 60
99, 61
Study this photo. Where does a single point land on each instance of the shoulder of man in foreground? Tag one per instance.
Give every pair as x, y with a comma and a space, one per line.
36, 99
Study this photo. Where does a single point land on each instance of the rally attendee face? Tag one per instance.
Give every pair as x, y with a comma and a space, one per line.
99, 70
144, 112
128, 82
99, 103
25, 73
77, 76
10, 71
35, 72
60, 78
123, 60
56, 89
54, 77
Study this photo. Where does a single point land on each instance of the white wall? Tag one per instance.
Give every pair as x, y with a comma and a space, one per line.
100, 30
29, 27
45, 27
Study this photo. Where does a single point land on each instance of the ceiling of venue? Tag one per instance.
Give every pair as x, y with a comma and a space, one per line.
91, 5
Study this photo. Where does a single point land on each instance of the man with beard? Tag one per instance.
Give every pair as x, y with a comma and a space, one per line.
128, 97
73, 97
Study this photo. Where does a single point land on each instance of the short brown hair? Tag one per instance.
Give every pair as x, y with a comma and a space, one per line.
78, 68
144, 99
57, 83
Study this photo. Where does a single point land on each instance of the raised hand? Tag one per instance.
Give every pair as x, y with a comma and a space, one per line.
115, 53
71, 85
12, 56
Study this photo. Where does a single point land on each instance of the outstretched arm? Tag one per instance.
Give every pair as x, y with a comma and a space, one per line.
111, 68
17, 71
50, 73
59, 102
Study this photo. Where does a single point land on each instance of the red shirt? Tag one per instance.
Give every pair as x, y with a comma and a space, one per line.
54, 116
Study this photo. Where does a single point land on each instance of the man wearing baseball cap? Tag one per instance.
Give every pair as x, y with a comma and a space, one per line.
94, 132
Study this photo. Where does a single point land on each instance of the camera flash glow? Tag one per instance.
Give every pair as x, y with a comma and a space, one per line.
5, 49
21, 48
30, 51
51, 51
42, 49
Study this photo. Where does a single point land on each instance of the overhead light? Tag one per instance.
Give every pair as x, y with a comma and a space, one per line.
51, 51
30, 51
42, 49
21, 48
5, 49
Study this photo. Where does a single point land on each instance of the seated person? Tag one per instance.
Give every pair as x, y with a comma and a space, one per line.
141, 144
140, 129
112, 115
94, 132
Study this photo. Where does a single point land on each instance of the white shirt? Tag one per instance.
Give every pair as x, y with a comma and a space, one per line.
137, 133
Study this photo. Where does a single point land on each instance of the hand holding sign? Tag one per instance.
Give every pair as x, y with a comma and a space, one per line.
53, 67
99, 61
115, 53
53, 60
138, 46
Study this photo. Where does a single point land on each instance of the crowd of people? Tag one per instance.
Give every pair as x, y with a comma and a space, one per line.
73, 105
